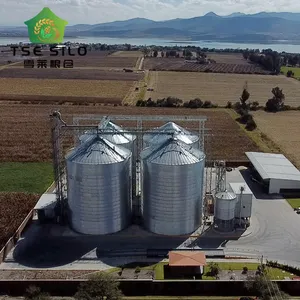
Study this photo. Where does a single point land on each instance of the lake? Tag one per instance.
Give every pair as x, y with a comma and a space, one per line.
280, 46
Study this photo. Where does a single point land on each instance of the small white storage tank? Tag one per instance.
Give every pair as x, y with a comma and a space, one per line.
172, 185
169, 130
99, 187
225, 203
243, 208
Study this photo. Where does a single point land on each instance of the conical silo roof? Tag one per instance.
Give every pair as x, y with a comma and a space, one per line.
171, 129
113, 133
172, 152
99, 151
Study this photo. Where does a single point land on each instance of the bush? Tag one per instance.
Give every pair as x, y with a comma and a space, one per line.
195, 103
245, 270
137, 270
251, 125
245, 117
207, 104
290, 73
254, 106
214, 269
228, 105
99, 286
35, 293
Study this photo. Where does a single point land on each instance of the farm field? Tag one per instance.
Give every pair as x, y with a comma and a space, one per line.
228, 58
295, 70
100, 59
284, 129
14, 208
17, 89
25, 133
179, 64
25, 177
84, 74
127, 54
220, 88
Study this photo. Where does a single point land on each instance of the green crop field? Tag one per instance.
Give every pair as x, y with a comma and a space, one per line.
295, 70
25, 177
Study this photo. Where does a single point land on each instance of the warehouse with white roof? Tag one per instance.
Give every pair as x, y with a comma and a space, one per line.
276, 171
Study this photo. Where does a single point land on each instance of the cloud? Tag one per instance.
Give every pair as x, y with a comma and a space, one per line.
14, 12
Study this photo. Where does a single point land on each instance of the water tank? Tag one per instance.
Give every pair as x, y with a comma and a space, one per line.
172, 185
225, 203
98, 184
168, 130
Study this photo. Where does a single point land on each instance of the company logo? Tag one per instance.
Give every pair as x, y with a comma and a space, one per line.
46, 28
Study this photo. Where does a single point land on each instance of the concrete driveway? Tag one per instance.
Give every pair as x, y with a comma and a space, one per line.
274, 230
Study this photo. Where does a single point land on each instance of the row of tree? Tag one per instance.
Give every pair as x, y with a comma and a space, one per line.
175, 102
268, 59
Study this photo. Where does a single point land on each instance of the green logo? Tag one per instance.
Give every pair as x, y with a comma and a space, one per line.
46, 28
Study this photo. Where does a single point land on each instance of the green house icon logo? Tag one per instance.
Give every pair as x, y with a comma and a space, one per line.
46, 28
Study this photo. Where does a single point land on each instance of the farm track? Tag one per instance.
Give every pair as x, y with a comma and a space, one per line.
25, 133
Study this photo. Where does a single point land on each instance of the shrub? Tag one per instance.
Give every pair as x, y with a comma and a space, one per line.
195, 103
35, 293
137, 270
254, 106
290, 73
245, 117
207, 104
214, 269
245, 270
228, 105
99, 286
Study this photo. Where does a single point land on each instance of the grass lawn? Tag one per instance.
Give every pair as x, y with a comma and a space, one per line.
295, 70
25, 177
294, 203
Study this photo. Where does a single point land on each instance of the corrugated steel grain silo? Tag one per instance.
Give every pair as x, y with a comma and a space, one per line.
225, 203
168, 130
99, 187
172, 185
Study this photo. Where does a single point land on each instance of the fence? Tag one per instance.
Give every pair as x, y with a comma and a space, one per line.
146, 287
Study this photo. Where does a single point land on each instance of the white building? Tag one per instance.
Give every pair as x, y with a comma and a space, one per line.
243, 207
276, 172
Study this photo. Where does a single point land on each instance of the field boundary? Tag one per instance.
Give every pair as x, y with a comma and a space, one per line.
13, 240
257, 136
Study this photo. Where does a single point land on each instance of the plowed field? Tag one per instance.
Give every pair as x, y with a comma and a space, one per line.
25, 130
179, 64
102, 89
90, 74
14, 208
220, 88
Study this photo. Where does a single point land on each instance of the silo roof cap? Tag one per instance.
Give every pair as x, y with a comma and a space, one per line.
172, 152
98, 151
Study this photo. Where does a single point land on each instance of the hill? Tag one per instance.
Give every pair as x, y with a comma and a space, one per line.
260, 27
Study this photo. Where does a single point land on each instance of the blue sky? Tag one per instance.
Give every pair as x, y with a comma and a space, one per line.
15, 12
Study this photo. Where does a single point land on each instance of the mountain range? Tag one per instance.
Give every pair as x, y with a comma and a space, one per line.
237, 27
